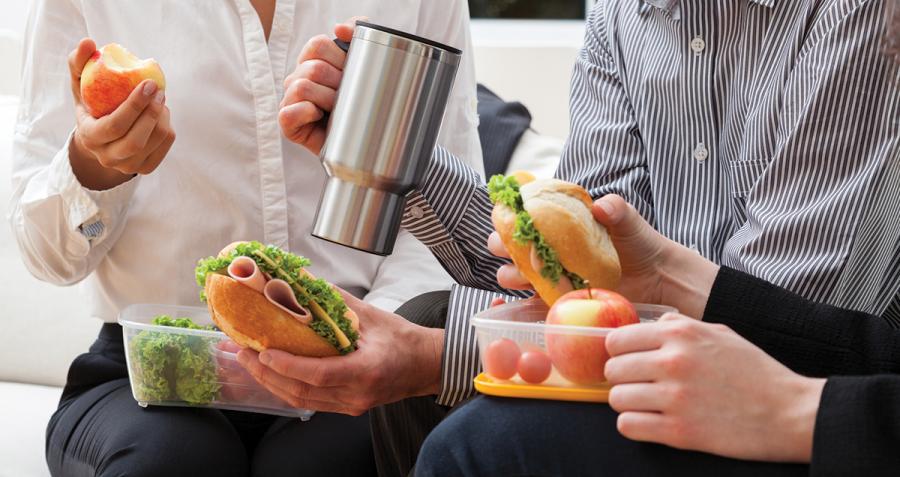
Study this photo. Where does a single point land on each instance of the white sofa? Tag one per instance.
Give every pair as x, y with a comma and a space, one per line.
45, 327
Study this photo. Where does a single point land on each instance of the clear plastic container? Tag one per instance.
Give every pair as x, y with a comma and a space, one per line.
169, 366
576, 354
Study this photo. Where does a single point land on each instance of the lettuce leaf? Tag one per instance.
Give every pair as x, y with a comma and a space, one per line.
169, 366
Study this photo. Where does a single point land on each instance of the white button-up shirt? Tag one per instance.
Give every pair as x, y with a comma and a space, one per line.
230, 175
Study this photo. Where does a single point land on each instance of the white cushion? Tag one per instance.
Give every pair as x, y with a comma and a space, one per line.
25, 410
49, 324
536, 154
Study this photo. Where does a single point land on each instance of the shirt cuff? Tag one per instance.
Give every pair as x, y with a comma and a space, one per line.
88, 212
461, 363
436, 208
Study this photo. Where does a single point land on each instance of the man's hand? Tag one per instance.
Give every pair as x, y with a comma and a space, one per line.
654, 268
701, 386
310, 91
133, 139
395, 360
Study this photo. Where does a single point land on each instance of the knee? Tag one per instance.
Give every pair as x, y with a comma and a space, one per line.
207, 445
428, 309
463, 445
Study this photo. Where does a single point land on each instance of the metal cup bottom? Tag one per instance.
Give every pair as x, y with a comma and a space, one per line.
359, 217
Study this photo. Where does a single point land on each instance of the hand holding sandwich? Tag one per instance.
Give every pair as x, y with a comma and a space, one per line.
395, 360
653, 268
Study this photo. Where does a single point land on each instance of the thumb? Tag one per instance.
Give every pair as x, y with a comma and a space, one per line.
350, 300
77, 59
619, 217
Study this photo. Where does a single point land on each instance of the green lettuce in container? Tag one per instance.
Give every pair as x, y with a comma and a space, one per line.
174, 367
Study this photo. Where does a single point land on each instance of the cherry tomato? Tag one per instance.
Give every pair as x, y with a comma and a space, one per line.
534, 367
501, 358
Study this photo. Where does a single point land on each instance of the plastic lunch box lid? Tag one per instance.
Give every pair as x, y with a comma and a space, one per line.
503, 318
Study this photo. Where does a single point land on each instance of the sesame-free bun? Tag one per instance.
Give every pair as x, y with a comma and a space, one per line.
248, 318
561, 212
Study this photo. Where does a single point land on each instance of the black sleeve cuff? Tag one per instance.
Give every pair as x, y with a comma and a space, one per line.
857, 428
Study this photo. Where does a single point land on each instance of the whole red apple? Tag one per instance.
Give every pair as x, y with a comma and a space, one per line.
111, 75
578, 358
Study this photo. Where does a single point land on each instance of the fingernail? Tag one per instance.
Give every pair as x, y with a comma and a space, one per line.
149, 88
264, 358
607, 207
160, 97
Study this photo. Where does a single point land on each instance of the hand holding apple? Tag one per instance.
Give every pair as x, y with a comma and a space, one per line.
581, 359
122, 124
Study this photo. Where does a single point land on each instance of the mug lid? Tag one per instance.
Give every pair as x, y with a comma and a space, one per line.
409, 36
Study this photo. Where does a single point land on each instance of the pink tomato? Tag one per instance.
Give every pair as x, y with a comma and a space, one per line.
534, 367
501, 358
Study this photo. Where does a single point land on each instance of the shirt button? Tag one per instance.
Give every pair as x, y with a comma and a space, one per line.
416, 212
700, 152
698, 45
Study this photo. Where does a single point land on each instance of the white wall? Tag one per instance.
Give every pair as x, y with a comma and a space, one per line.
13, 14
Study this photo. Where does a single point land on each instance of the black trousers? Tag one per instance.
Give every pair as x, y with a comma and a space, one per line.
400, 428
498, 436
99, 430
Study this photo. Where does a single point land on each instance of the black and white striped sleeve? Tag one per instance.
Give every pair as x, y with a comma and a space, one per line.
605, 151
451, 215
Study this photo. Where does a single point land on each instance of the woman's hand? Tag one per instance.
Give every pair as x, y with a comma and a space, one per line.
701, 386
133, 139
654, 268
310, 91
396, 359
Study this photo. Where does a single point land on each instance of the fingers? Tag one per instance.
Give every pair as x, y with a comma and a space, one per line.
509, 277
156, 157
642, 426
318, 71
645, 397
293, 392
496, 247
136, 139
314, 371
634, 338
117, 124
77, 59
497, 302
637, 367
323, 48
344, 31
303, 89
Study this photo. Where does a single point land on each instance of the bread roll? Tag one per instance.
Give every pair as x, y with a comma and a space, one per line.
561, 212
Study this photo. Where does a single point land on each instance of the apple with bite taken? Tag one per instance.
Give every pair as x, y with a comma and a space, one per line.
111, 74
579, 358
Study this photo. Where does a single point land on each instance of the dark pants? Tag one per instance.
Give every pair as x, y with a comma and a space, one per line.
518, 437
400, 428
100, 430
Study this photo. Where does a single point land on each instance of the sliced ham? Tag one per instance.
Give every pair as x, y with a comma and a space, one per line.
278, 292
244, 270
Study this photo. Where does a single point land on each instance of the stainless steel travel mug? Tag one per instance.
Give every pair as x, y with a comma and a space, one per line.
381, 134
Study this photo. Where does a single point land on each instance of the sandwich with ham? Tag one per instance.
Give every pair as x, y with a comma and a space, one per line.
547, 227
263, 297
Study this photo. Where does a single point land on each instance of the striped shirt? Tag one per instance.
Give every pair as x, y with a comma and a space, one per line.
763, 133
